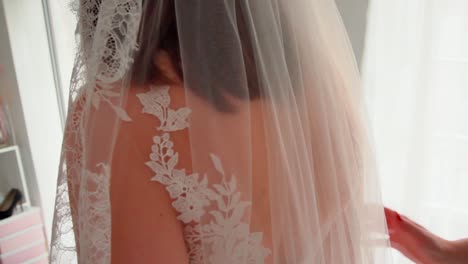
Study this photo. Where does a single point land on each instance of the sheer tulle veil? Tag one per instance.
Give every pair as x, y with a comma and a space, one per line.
285, 162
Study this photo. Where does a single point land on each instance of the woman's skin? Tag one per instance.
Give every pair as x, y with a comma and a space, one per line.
422, 246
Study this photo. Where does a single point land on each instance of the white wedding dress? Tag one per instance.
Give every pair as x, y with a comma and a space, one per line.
209, 131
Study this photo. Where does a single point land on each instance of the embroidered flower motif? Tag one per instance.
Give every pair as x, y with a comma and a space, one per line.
226, 238
94, 225
156, 102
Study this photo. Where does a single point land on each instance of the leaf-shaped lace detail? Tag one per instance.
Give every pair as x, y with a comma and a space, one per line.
190, 191
94, 222
105, 94
226, 239
156, 102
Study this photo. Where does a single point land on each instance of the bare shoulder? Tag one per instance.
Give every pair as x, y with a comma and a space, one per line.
143, 215
150, 109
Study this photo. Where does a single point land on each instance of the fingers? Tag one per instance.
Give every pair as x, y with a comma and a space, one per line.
393, 220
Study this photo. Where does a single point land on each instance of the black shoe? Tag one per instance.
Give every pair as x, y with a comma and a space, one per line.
13, 198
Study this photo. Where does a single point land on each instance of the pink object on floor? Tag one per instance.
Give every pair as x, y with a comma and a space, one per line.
25, 237
22, 238
20, 222
28, 253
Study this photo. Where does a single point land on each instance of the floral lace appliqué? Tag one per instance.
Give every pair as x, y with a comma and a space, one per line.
226, 238
156, 102
95, 222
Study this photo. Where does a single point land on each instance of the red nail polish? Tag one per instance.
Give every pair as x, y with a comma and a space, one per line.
399, 217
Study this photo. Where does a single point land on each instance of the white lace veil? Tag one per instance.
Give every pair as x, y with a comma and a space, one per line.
279, 167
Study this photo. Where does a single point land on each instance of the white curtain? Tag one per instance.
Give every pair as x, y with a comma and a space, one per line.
62, 27
416, 80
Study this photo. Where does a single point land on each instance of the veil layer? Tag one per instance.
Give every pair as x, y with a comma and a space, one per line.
264, 152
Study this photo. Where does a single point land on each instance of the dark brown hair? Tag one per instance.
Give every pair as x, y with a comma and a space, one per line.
165, 36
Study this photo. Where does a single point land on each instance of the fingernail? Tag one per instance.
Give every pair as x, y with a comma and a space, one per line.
399, 217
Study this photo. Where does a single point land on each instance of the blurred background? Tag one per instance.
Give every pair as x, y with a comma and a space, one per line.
413, 57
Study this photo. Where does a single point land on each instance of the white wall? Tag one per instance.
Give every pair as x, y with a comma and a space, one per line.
33, 93
63, 24
354, 14
10, 95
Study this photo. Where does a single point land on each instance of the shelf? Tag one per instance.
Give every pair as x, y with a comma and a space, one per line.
10, 175
8, 149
